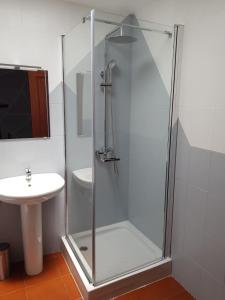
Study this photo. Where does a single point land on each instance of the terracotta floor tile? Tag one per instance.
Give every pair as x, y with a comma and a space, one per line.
64, 270
160, 290
182, 296
49, 290
18, 295
71, 287
50, 256
59, 261
15, 281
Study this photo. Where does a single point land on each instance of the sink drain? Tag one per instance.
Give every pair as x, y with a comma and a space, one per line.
83, 248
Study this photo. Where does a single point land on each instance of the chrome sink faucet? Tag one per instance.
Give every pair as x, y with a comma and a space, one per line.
28, 174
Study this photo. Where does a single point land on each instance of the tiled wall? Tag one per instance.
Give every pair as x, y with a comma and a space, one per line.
30, 34
199, 222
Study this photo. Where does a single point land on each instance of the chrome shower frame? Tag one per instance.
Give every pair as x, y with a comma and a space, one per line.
172, 140
88, 18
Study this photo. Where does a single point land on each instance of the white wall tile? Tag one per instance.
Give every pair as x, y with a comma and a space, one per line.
199, 168
218, 142
210, 288
212, 258
194, 222
183, 155
217, 175
214, 219
56, 119
42, 155
56, 95
197, 125
187, 272
180, 197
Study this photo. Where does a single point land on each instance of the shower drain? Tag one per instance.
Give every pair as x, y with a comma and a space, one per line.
83, 248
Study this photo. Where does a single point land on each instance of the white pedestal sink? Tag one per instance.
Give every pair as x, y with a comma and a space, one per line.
30, 195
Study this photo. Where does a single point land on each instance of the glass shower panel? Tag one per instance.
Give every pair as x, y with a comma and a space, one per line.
79, 148
133, 70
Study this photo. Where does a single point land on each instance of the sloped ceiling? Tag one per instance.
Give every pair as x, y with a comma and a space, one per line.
122, 7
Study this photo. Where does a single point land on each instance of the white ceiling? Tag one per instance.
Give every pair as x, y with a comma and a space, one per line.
122, 7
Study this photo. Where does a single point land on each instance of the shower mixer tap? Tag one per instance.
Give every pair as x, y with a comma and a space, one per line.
106, 155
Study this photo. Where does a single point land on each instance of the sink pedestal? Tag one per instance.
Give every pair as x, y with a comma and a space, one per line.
31, 218
29, 194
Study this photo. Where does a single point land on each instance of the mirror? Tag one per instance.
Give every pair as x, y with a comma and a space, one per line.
24, 105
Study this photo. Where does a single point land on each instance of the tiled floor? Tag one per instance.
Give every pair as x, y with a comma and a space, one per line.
165, 289
56, 283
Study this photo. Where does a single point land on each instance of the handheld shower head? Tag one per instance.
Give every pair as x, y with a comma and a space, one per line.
108, 70
111, 65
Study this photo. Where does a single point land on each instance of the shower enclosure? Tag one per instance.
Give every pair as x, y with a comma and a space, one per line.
119, 91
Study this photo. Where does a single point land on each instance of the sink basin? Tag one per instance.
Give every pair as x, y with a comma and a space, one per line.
16, 190
30, 195
83, 177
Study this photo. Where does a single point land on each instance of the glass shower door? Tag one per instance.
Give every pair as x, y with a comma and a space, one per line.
79, 143
131, 85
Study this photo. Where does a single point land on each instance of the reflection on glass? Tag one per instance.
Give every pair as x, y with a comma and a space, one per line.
84, 107
78, 112
131, 134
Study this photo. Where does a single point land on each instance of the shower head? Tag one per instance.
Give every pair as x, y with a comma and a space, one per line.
121, 38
